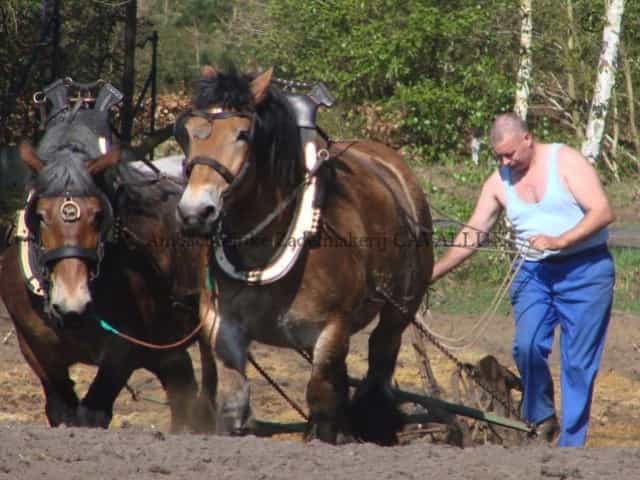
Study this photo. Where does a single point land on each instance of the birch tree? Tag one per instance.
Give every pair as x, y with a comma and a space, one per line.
524, 71
605, 81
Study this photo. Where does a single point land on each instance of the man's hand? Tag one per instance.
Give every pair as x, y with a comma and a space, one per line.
546, 242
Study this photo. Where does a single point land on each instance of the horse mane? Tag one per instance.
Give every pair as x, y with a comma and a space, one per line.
276, 143
64, 150
66, 176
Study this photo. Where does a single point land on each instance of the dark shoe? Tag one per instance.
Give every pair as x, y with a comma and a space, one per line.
547, 432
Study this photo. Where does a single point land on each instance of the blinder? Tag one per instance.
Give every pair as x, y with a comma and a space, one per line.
180, 131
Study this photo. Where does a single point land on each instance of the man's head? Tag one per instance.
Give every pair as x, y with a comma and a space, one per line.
511, 141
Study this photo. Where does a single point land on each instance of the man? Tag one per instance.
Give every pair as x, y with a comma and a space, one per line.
559, 212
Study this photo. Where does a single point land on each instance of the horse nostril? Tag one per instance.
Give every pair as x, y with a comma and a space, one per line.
180, 213
55, 309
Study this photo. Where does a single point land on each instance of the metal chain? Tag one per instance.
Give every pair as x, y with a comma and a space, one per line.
291, 84
469, 369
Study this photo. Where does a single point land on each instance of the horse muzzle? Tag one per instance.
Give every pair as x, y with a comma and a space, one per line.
69, 307
197, 221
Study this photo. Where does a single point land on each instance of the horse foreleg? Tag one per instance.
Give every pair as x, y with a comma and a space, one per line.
233, 412
96, 408
374, 412
327, 390
205, 411
61, 400
175, 372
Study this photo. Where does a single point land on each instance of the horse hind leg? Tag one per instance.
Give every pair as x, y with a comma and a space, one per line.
327, 390
374, 413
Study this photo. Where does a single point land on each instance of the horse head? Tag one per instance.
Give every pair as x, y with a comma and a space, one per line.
68, 217
236, 132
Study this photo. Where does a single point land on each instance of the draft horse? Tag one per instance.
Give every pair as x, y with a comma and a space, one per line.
293, 267
96, 244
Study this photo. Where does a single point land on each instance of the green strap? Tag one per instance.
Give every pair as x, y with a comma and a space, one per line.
107, 327
208, 281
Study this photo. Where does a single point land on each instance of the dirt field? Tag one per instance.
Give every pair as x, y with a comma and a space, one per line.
138, 445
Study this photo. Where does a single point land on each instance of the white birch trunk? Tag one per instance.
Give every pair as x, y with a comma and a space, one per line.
524, 71
605, 81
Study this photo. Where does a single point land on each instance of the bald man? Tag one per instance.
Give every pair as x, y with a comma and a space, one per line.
556, 205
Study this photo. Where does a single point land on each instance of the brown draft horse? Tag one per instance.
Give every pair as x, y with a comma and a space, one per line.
372, 255
133, 283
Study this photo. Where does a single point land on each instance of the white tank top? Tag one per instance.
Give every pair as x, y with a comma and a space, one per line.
555, 213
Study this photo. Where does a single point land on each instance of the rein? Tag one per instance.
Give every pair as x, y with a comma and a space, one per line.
154, 346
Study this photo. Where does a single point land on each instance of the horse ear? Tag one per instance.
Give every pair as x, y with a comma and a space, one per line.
260, 84
208, 71
104, 161
30, 157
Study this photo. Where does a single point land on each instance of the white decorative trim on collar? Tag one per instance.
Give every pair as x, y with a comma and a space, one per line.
307, 220
22, 234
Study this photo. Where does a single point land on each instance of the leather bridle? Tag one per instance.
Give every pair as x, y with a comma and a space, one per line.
233, 180
48, 257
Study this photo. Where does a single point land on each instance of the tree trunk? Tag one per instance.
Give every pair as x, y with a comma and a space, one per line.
576, 118
129, 71
524, 71
604, 82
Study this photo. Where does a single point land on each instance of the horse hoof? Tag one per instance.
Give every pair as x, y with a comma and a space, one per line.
234, 426
375, 401
92, 418
324, 431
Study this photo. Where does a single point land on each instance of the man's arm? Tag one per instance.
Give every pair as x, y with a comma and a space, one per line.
484, 216
583, 183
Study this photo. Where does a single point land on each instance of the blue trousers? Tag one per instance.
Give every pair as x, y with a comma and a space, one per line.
575, 293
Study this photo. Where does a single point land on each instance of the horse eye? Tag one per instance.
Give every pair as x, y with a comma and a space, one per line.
98, 218
39, 217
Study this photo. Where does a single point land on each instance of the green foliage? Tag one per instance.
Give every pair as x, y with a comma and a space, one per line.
433, 65
422, 74
31, 58
627, 290
187, 31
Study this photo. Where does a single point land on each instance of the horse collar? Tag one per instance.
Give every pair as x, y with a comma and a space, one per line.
307, 221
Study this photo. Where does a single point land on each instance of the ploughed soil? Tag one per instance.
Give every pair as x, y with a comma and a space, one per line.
138, 446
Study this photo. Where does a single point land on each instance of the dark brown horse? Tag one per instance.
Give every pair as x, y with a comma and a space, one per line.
79, 283
294, 271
